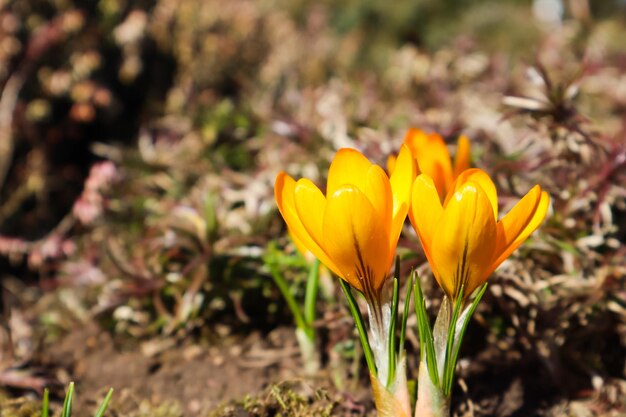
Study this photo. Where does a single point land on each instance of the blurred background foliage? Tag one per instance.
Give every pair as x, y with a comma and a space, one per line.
139, 142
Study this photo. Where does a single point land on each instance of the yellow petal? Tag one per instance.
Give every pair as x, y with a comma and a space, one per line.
356, 240
432, 157
401, 185
481, 178
462, 157
348, 167
464, 244
378, 191
519, 223
284, 192
425, 213
310, 204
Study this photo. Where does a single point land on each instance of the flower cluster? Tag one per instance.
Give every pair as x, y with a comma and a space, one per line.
355, 227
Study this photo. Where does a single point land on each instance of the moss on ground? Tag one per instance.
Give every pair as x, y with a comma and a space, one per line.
20, 407
282, 400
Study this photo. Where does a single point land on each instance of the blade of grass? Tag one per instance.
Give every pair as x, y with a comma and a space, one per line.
105, 404
67, 403
45, 405
360, 326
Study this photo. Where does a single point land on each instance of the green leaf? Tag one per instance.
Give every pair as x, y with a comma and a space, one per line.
289, 298
45, 406
105, 404
448, 367
461, 332
427, 350
405, 314
392, 329
360, 326
67, 404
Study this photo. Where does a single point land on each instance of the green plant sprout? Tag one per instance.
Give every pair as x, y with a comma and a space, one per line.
439, 349
67, 403
305, 315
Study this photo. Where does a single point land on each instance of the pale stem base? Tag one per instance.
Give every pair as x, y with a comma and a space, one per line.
379, 338
400, 387
394, 402
310, 357
430, 400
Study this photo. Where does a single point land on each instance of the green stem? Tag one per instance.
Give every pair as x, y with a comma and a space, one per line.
360, 326
310, 296
291, 302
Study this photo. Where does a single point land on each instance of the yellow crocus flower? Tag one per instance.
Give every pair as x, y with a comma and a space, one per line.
462, 238
433, 158
354, 229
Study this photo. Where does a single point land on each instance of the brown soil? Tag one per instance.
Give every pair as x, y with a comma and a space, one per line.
192, 379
